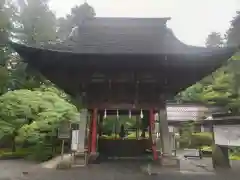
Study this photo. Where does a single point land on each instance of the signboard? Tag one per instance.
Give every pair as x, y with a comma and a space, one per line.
171, 128
75, 140
64, 131
227, 135
78, 135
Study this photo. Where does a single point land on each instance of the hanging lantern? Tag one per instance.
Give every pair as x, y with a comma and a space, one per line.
105, 114
130, 114
141, 114
117, 114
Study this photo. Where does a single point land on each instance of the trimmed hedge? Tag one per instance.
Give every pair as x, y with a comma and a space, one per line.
201, 139
196, 140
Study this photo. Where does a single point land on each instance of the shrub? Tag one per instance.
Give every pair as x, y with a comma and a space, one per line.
206, 148
234, 157
183, 142
201, 139
196, 140
41, 152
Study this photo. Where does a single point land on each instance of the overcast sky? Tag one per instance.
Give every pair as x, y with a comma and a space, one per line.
192, 20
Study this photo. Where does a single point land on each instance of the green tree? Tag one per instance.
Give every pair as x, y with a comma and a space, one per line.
220, 92
38, 22
233, 32
186, 131
6, 14
76, 17
35, 24
214, 39
33, 114
5, 24
192, 94
215, 88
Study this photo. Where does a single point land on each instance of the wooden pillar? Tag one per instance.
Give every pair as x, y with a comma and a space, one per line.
89, 133
94, 131
100, 125
151, 131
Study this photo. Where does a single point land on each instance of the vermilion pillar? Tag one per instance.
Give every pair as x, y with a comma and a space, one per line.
153, 139
94, 131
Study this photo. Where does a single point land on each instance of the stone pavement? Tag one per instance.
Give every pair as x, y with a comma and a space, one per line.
12, 170
116, 171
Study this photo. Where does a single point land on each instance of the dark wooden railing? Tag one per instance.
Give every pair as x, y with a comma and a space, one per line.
123, 148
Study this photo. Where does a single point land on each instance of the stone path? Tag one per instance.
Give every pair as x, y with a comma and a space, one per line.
52, 164
111, 171
12, 170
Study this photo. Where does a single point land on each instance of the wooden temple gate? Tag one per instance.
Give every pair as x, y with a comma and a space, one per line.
124, 64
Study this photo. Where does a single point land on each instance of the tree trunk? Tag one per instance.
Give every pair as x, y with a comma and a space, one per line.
13, 143
14, 135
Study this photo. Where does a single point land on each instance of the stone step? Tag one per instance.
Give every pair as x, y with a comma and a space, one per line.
78, 161
80, 158
79, 154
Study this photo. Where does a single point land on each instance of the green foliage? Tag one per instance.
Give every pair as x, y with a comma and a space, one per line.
233, 37
19, 153
201, 139
220, 91
77, 16
223, 86
15, 74
30, 116
131, 135
40, 152
192, 94
33, 112
7, 12
110, 122
196, 140
234, 157
53, 89
38, 22
186, 131
214, 39
206, 148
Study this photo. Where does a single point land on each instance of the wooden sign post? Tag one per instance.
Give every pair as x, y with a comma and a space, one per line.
64, 134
